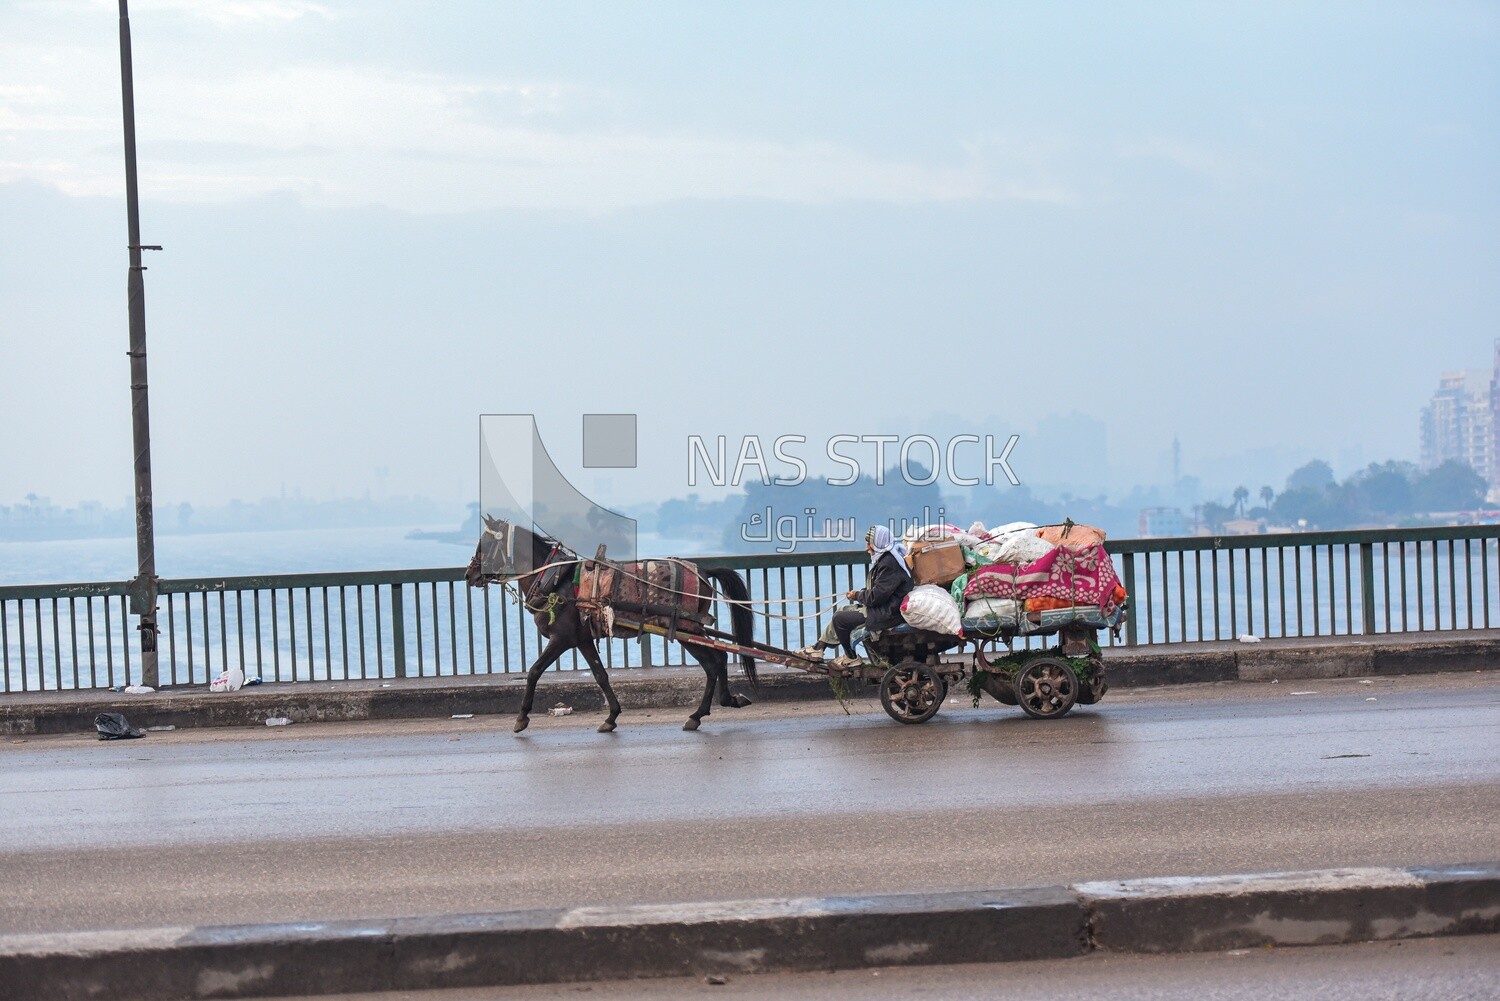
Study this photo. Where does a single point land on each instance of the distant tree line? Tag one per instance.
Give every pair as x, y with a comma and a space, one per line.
1382, 493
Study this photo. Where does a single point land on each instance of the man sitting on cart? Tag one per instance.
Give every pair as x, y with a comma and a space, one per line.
877, 606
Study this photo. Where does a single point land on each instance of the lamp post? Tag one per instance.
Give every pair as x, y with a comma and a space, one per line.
143, 587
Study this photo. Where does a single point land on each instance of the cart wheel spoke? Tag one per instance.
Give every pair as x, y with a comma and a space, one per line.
911, 692
1046, 688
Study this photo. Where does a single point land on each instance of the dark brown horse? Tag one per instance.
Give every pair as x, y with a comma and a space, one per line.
553, 600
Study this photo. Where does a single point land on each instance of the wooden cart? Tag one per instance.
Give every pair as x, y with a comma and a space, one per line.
914, 677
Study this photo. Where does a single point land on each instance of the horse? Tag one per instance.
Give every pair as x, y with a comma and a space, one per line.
554, 602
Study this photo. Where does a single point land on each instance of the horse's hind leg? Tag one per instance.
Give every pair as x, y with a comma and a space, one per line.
706, 659
726, 697
555, 648
601, 676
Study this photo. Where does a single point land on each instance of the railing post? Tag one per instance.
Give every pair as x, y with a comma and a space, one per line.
1367, 587
398, 628
1130, 591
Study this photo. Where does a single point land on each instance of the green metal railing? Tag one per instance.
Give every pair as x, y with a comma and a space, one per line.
1364, 582
427, 623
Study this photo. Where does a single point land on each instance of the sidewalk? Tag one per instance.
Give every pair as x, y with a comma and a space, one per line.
638, 688
746, 937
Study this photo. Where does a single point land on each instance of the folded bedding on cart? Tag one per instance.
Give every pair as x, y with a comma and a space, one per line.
1081, 576
988, 617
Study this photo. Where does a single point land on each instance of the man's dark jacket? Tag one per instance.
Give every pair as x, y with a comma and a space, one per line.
889, 583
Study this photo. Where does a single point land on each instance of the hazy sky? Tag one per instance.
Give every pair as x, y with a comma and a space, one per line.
1265, 228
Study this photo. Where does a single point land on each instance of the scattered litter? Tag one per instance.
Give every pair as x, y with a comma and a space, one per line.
1370, 699
463, 715
278, 721
1332, 757
1302, 693
1238, 952
560, 710
161, 729
137, 689
385, 684
114, 726
1249, 638
1275, 681
1366, 681
252, 681
231, 680
714, 980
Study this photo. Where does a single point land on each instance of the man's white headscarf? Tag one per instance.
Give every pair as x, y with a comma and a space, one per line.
883, 542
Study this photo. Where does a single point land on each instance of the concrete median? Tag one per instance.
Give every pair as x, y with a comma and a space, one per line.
667, 940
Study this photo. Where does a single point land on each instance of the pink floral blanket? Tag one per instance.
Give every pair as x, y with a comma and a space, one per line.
1080, 576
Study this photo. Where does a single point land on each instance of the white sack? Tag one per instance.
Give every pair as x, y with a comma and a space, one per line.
933, 608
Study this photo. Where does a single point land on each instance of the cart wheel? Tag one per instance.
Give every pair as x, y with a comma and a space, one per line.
1046, 688
1092, 690
911, 692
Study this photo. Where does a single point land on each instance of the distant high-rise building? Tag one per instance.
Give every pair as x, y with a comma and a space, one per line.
1492, 477
1459, 422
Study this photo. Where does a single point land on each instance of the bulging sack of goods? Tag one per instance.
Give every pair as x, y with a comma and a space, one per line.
1072, 536
988, 615
1021, 548
930, 607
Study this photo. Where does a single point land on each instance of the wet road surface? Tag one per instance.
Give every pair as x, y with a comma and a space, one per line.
430, 816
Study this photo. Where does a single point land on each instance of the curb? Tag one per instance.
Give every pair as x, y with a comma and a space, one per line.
331, 702
652, 688
1179, 914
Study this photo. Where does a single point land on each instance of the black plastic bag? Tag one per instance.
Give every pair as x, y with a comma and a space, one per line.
114, 726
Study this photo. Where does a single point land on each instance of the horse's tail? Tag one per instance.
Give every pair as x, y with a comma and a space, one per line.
740, 616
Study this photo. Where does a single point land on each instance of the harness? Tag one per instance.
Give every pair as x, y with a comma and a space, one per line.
546, 583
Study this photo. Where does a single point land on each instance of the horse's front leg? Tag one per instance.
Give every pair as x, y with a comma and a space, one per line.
556, 647
601, 676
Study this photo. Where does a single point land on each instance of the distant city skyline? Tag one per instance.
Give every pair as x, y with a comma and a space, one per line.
1462, 422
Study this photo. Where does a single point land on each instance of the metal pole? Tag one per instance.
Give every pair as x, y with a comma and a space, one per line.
143, 587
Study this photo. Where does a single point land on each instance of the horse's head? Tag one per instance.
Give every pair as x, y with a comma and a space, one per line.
505, 552
494, 556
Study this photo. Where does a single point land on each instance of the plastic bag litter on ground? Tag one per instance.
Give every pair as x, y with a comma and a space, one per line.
114, 726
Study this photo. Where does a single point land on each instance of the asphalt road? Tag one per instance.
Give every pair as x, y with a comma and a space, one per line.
1445, 969
384, 819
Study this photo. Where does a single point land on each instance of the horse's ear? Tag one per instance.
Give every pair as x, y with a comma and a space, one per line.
490, 522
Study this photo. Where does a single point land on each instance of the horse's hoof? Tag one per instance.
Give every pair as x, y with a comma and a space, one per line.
607, 726
741, 701
521, 724
691, 724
